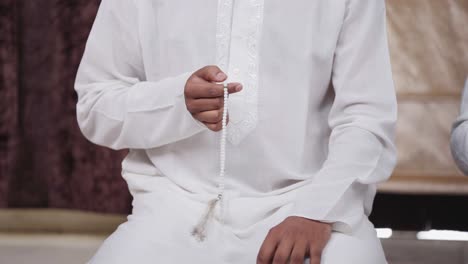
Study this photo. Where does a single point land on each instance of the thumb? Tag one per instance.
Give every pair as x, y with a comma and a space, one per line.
212, 74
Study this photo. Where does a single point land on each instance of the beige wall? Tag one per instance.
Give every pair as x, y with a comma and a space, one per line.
429, 49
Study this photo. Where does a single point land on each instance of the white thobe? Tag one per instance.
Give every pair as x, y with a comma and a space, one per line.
311, 133
459, 138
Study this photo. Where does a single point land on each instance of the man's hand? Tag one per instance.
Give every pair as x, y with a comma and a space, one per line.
293, 240
204, 98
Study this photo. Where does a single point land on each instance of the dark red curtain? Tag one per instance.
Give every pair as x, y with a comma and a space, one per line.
44, 159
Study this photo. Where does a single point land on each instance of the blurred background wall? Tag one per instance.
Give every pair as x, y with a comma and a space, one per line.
429, 49
45, 162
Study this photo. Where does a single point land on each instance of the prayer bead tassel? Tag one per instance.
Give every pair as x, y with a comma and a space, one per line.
199, 231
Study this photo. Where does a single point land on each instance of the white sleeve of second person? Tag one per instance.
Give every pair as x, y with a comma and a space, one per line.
459, 139
116, 107
361, 149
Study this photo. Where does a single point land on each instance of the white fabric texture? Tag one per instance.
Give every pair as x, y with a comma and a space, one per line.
310, 135
459, 139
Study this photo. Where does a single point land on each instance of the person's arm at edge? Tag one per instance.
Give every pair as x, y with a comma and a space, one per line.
459, 137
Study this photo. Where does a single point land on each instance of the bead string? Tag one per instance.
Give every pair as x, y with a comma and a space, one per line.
222, 153
199, 230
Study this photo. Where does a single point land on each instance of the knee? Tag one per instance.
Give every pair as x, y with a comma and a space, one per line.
343, 248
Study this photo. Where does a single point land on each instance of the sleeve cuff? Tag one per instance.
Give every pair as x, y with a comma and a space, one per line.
167, 93
340, 203
187, 121
159, 111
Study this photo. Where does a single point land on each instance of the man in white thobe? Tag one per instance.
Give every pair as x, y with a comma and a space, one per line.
310, 132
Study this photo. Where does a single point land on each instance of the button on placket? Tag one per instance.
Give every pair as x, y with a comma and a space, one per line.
237, 58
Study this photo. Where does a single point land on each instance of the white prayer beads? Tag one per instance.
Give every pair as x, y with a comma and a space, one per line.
199, 230
222, 152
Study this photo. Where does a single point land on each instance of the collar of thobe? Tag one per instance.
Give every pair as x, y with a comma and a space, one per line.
243, 105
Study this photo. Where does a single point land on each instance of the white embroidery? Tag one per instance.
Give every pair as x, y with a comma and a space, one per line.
223, 32
239, 129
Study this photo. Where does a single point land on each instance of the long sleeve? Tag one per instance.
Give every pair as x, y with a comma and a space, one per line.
116, 106
459, 141
362, 119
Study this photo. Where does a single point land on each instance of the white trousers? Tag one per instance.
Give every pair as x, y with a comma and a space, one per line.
159, 231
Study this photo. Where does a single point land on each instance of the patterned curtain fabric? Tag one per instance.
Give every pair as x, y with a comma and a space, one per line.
44, 159
8, 94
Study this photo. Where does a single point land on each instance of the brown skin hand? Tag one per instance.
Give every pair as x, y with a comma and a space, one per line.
204, 98
294, 239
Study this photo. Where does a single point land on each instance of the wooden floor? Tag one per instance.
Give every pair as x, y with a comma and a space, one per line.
404, 248
71, 249
61, 236
47, 248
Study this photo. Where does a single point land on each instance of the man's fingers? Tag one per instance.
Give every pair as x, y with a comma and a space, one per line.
205, 104
211, 74
267, 250
214, 127
234, 88
211, 90
211, 117
314, 260
199, 90
315, 255
283, 251
298, 253
217, 126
